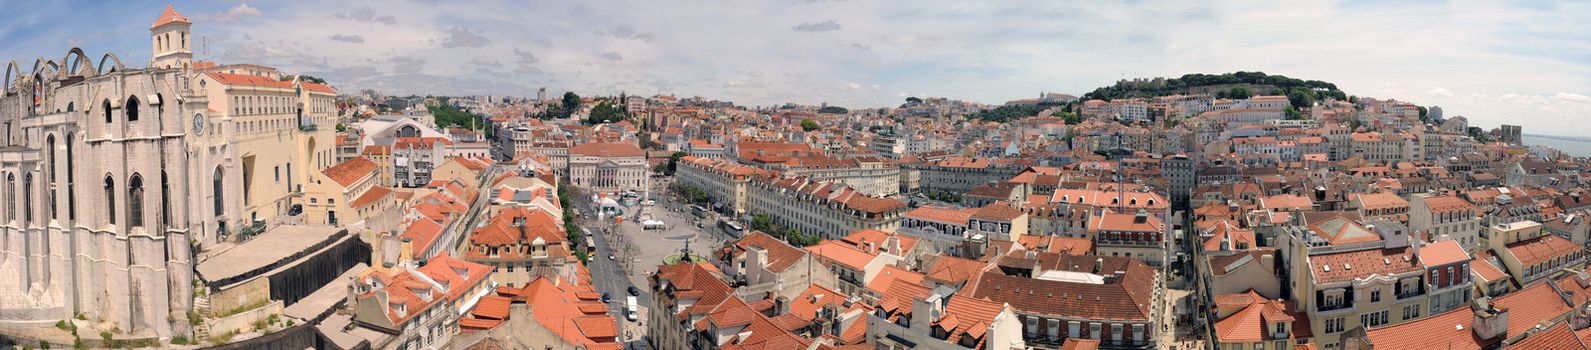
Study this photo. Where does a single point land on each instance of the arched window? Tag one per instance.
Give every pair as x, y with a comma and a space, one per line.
71, 182
132, 109
215, 191
11, 201
107, 111
70, 107
135, 201
110, 200
49, 174
165, 199
27, 197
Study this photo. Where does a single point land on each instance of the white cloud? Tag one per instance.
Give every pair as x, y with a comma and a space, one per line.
825, 26
1572, 97
238, 12
938, 48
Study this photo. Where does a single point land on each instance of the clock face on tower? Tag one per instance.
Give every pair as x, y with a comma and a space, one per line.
198, 124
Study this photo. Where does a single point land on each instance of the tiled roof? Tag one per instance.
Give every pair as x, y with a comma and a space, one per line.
1447, 203
1442, 253
941, 215
781, 255
556, 305
350, 171
1380, 200
842, 253
1126, 223
874, 241
1557, 337
1540, 249
492, 307
1483, 267
370, 196
607, 150
1349, 266
1252, 323
1454, 329
1226, 231
1080, 344
1127, 298
997, 211
1341, 230
170, 15
969, 316
954, 270
807, 304
890, 275
423, 232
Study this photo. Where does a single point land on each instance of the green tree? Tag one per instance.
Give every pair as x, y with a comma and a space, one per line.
571, 101
913, 99
604, 112
1240, 93
1300, 97
341, 127
762, 222
1424, 114
833, 110
809, 125
1293, 114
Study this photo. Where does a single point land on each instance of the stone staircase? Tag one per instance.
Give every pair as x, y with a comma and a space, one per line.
202, 307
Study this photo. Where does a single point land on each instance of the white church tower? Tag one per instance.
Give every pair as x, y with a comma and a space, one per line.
170, 38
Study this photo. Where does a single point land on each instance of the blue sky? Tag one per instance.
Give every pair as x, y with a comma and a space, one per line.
1494, 62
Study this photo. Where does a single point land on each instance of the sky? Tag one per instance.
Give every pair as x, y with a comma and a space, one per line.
1525, 63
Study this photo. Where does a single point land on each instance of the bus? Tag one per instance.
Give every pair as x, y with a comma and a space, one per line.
629, 309
734, 229
699, 211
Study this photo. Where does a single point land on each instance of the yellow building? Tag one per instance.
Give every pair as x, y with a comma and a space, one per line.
278, 132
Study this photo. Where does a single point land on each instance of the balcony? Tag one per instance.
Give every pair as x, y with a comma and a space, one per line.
1328, 308
307, 127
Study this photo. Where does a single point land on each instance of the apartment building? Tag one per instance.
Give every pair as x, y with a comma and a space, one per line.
1435, 216
827, 210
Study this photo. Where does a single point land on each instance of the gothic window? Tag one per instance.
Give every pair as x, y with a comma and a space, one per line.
165, 199
106, 107
27, 197
135, 201
110, 200
215, 190
132, 109
71, 188
50, 176
11, 191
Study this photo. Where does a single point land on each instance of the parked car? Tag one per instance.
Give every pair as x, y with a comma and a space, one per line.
610, 257
605, 298
635, 291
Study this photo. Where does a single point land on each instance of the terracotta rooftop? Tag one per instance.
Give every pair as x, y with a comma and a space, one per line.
842, 253
781, 255
1454, 329
1129, 297
170, 15
890, 275
1442, 253
350, 171
1353, 265
941, 215
607, 150
1540, 249
954, 270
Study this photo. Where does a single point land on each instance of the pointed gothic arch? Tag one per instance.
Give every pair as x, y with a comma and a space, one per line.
110, 57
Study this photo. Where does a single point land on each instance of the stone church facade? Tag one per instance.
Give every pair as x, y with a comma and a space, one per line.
113, 176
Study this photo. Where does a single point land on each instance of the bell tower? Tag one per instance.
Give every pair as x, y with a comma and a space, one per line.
170, 39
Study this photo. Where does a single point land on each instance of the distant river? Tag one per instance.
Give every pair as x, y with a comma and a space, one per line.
1576, 148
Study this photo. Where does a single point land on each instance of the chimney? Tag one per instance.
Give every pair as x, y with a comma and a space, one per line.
1583, 279
781, 305
1268, 260
389, 250
1099, 264
406, 251
1490, 321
